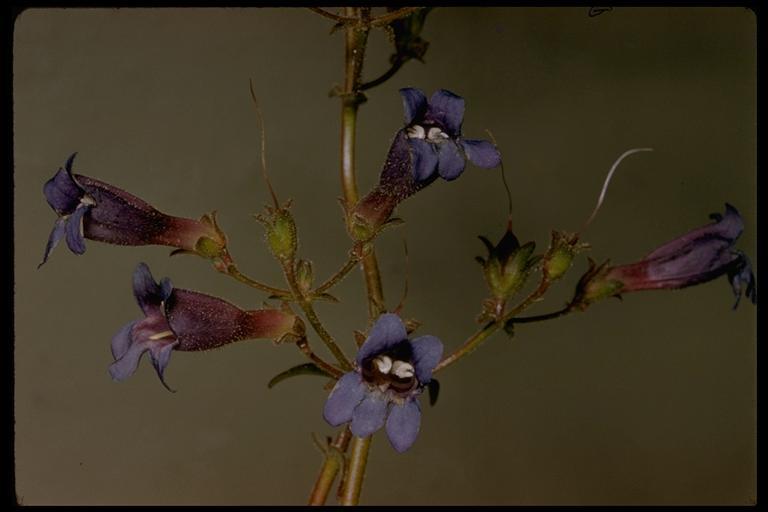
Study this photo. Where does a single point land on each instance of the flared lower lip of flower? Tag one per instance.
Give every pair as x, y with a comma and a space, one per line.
382, 391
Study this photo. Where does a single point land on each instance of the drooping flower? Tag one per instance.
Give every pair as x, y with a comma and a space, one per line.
89, 208
696, 257
177, 319
390, 373
430, 145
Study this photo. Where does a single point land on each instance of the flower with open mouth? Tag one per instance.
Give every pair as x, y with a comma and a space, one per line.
391, 372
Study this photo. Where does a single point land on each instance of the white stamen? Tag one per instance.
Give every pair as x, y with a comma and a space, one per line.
435, 133
87, 200
383, 363
161, 335
415, 132
402, 369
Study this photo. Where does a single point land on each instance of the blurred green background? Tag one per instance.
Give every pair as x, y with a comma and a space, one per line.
646, 401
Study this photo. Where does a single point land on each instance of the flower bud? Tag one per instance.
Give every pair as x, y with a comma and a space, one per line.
559, 257
304, 275
508, 265
281, 232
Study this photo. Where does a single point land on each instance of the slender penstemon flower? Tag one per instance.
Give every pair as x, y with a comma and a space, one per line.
177, 319
696, 257
391, 371
89, 208
430, 145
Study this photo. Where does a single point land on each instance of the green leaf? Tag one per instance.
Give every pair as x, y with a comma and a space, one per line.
302, 369
433, 388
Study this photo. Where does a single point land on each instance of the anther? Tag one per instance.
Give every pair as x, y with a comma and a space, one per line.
383, 363
402, 369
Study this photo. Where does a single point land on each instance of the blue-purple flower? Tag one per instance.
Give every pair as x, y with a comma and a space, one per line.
433, 129
177, 319
89, 208
430, 145
698, 256
390, 373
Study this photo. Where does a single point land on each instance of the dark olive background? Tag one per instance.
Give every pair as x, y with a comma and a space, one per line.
646, 401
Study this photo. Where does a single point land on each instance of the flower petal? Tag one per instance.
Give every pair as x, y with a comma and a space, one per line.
423, 159
57, 233
63, 193
121, 341
385, 333
414, 104
447, 109
741, 274
160, 354
369, 415
345, 396
725, 231
148, 293
75, 240
427, 352
450, 161
403, 424
481, 153
127, 364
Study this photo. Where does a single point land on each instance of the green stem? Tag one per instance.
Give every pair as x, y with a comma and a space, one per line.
356, 38
330, 15
233, 271
476, 339
309, 312
338, 276
386, 76
352, 483
332, 464
303, 345
540, 318
386, 19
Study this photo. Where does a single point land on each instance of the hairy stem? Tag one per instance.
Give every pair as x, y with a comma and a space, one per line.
477, 338
354, 474
386, 19
330, 15
540, 318
332, 464
303, 345
338, 276
234, 272
312, 318
356, 38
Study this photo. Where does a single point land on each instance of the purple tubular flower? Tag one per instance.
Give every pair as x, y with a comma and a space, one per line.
696, 257
390, 373
89, 208
428, 147
433, 129
176, 319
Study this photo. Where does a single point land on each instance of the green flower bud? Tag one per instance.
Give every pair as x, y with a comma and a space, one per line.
304, 275
281, 232
559, 258
508, 265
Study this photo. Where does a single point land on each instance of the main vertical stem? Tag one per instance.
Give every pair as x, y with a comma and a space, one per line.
356, 37
349, 491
